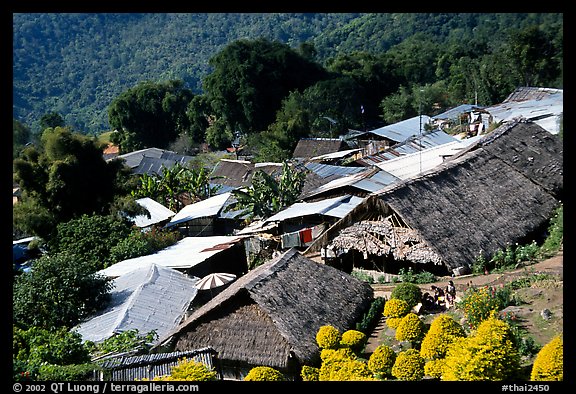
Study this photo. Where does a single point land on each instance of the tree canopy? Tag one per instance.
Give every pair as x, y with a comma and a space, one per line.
149, 115
58, 175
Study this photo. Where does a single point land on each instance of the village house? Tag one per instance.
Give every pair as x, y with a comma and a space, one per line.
270, 316
507, 184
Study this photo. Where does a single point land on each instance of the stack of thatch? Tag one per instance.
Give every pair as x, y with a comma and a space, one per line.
381, 238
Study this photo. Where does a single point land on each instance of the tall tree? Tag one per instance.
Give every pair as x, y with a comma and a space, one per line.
63, 178
150, 115
534, 56
51, 119
250, 79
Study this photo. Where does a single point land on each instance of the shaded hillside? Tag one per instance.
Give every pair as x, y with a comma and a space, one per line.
76, 64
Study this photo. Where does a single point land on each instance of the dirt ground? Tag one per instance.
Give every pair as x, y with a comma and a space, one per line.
546, 294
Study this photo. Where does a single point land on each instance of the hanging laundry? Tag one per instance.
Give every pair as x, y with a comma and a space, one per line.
306, 235
317, 231
290, 240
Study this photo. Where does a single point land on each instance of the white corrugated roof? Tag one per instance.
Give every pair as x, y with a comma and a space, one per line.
149, 298
158, 213
184, 254
335, 207
205, 208
402, 130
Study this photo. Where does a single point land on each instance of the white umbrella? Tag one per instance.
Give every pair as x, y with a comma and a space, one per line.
211, 281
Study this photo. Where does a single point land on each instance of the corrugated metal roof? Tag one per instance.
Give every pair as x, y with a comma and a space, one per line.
149, 366
205, 208
368, 180
546, 109
412, 145
402, 130
158, 213
455, 112
336, 207
184, 254
133, 159
336, 155
150, 297
327, 170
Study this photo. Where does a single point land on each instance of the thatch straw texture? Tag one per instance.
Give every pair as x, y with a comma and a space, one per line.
381, 238
479, 203
271, 315
499, 191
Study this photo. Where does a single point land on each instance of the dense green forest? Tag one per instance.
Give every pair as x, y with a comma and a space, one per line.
77, 64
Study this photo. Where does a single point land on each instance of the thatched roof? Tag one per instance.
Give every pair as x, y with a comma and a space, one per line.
312, 147
271, 315
499, 191
487, 198
383, 237
530, 150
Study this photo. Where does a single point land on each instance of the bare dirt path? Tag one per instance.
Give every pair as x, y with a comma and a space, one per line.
536, 299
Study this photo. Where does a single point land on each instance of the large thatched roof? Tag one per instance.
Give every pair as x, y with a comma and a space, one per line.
271, 315
500, 191
497, 193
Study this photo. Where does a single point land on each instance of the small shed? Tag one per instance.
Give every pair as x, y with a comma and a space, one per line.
195, 256
312, 147
150, 366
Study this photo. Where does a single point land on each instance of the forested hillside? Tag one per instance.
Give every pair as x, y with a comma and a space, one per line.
77, 64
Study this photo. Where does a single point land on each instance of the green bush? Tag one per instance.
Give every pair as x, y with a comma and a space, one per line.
409, 366
381, 361
371, 318
73, 372
479, 303
37, 346
555, 237
264, 374
549, 362
328, 337
408, 292
418, 278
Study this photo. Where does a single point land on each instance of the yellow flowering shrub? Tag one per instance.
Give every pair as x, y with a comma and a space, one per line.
328, 337
263, 373
382, 360
396, 307
409, 365
443, 331
393, 322
189, 370
433, 368
549, 362
328, 354
346, 370
478, 304
489, 354
353, 339
411, 328
332, 361
310, 374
